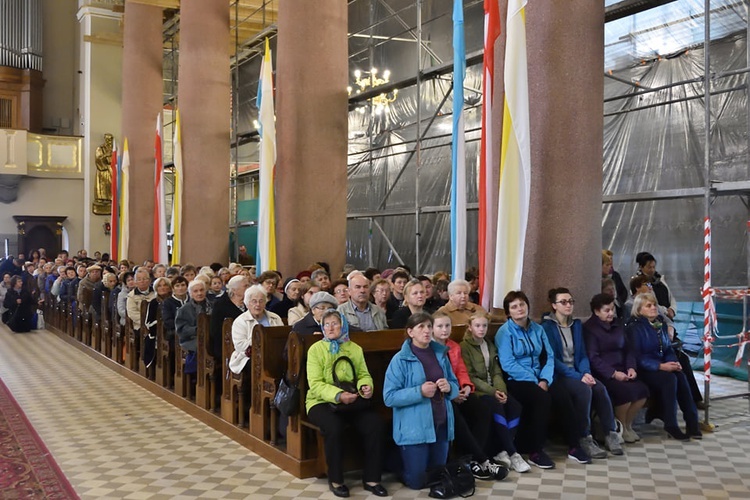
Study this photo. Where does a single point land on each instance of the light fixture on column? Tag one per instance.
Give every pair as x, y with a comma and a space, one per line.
370, 79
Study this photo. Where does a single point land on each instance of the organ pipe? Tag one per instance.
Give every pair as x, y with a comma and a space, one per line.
21, 34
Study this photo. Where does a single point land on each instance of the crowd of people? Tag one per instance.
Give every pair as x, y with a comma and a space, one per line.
493, 399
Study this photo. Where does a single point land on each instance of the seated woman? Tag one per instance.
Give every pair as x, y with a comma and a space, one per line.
418, 381
334, 409
163, 289
340, 289
172, 304
186, 322
659, 369
290, 298
459, 308
520, 343
380, 291
269, 280
127, 279
311, 323
487, 376
471, 417
242, 335
296, 313
613, 362
414, 299
647, 267
20, 306
573, 372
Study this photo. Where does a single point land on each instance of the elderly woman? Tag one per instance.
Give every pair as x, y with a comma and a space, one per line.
419, 385
269, 280
458, 308
321, 278
163, 289
573, 373
4, 287
312, 322
414, 300
333, 408
527, 359
296, 313
340, 290
186, 322
20, 305
242, 334
290, 298
613, 363
230, 305
659, 368
380, 290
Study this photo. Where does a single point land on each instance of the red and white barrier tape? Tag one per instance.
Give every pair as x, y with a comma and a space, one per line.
709, 313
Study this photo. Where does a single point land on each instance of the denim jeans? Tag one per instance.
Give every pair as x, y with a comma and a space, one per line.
418, 458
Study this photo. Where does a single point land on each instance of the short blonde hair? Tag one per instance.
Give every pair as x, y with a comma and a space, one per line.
640, 300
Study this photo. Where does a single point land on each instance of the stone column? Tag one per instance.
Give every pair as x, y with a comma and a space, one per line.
141, 103
312, 69
204, 103
565, 42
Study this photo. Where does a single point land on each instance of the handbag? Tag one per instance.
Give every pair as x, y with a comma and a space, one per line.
452, 480
286, 399
360, 403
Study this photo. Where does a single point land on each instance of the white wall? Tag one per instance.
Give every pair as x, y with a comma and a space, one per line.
48, 197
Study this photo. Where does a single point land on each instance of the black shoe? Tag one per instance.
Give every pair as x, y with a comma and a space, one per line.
693, 430
378, 490
676, 433
340, 491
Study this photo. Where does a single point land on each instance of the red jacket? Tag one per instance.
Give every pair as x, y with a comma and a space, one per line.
458, 365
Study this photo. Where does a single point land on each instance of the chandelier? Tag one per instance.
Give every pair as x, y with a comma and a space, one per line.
370, 79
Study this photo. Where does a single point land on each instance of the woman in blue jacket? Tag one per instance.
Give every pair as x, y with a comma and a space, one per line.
659, 368
573, 372
419, 385
527, 359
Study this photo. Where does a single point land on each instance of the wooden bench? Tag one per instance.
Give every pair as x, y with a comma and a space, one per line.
231, 399
118, 337
142, 333
304, 442
85, 315
204, 386
268, 368
165, 356
104, 325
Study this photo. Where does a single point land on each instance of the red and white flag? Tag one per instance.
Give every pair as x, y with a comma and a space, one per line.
160, 216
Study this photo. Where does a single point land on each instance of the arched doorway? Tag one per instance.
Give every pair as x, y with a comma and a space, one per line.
36, 231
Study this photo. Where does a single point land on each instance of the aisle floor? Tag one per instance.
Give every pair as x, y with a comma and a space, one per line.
114, 439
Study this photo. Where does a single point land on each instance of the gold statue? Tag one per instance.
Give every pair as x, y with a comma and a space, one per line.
103, 186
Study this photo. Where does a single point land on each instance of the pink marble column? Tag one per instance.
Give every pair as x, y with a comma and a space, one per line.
312, 72
204, 103
141, 103
565, 43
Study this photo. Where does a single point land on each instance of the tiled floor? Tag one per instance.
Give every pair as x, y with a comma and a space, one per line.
114, 439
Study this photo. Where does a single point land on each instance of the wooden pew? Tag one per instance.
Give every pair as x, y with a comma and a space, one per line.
181, 379
164, 355
105, 326
149, 374
85, 315
204, 386
69, 314
231, 400
131, 346
303, 438
118, 338
268, 368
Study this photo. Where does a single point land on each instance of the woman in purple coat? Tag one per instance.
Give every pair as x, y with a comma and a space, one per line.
613, 363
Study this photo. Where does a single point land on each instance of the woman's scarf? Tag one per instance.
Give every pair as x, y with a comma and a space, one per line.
334, 345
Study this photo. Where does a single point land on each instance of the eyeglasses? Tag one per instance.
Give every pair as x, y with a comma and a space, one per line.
566, 302
332, 325
649, 285
257, 302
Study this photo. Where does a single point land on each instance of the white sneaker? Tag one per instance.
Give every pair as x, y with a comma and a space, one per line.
630, 436
504, 459
518, 463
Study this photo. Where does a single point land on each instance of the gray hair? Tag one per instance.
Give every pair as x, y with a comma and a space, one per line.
453, 286
640, 300
254, 291
354, 274
234, 284
196, 283
317, 273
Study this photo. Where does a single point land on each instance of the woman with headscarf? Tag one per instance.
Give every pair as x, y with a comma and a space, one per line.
333, 409
290, 298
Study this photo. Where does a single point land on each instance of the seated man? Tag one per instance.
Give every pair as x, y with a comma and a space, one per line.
458, 308
141, 292
360, 313
89, 282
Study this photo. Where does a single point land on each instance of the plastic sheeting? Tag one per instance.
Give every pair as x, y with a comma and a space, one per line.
662, 147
